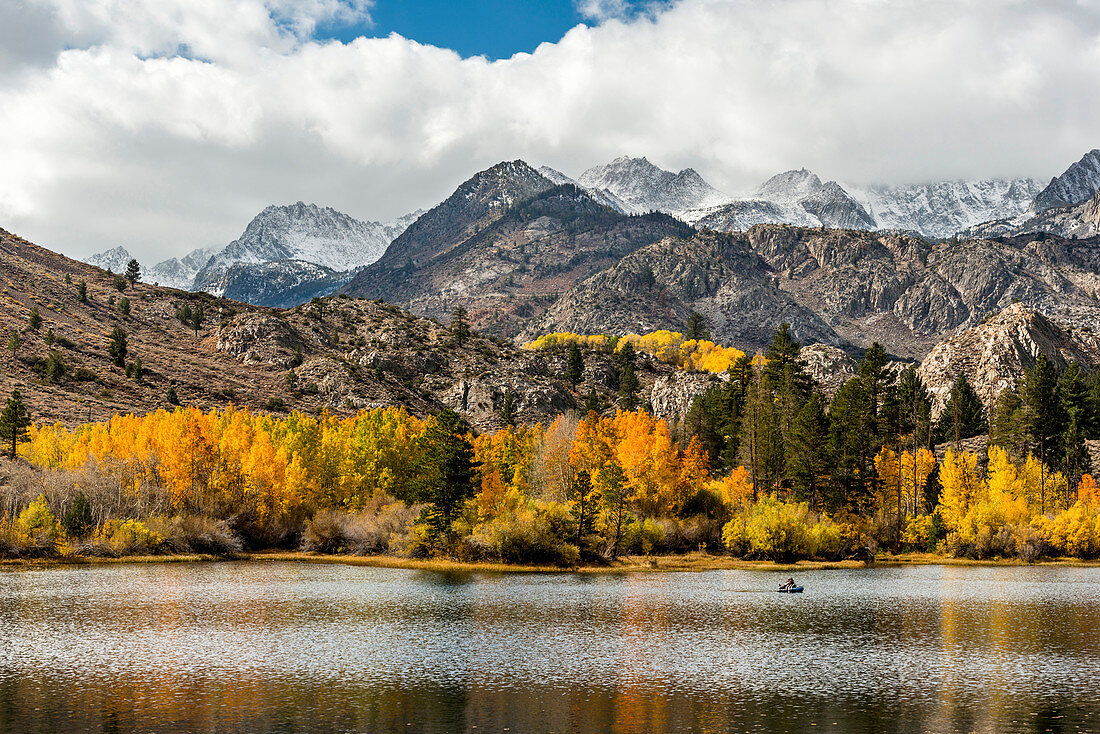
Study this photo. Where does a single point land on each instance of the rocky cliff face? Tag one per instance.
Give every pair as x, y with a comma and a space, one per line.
1076, 185
994, 354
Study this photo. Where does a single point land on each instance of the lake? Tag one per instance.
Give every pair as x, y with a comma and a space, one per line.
285, 647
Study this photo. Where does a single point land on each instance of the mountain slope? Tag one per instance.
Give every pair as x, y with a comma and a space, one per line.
1077, 184
645, 187
516, 264
115, 260
943, 208
353, 354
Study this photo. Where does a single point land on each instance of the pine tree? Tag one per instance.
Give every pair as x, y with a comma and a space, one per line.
82, 292
79, 520
758, 436
118, 347
447, 479
14, 342
34, 320
628, 387
852, 447
133, 272
198, 315
963, 415
507, 408
808, 458
584, 504
1045, 419
696, 327
574, 367
460, 327
592, 402
14, 422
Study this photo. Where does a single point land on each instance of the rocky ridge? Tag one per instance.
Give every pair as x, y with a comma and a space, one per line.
994, 354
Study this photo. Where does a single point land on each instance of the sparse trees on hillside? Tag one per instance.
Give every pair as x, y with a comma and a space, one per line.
34, 319
14, 342
82, 292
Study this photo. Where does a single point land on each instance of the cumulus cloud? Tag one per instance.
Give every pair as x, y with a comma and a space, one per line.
165, 125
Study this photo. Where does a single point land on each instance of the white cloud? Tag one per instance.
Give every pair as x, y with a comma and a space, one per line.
116, 138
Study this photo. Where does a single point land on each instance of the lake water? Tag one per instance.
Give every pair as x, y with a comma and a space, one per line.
302, 647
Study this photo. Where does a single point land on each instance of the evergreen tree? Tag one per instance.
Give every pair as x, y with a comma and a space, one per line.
628, 387
914, 411
198, 315
34, 320
507, 408
808, 460
1044, 419
14, 342
963, 414
171, 396
1091, 420
133, 272
574, 367
460, 327
82, 292
1074, 394
1008, 427
79, 521
592, 402
118, 347
584, 505
14, 422
790, 386
759, 436
714, 418
696, 327
447, 479
55, 367
852, 448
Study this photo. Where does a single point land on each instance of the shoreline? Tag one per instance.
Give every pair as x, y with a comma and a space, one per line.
686, 562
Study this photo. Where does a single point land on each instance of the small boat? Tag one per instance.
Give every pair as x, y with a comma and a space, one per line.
792, 590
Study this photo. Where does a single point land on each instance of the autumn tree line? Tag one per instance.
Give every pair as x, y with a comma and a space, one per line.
764, 465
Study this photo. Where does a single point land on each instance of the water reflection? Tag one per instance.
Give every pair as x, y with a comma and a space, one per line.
287, 648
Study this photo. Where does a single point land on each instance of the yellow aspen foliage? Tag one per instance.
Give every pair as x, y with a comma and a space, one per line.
915, 470
667, 346
735, 489
961, 486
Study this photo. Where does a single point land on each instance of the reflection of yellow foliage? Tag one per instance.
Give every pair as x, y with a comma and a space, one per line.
667, 346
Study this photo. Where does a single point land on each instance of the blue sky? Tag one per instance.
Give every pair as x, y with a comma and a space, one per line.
494, 28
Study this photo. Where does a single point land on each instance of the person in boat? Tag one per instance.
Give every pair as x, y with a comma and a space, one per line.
788, 584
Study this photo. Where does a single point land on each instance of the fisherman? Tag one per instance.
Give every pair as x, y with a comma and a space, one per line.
789, 584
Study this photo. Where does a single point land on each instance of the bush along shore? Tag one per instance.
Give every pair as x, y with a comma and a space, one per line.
763, 467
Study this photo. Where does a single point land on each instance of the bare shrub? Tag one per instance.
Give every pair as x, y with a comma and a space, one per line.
381, 527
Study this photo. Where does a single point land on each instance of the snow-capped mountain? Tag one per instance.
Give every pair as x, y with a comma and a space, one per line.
942, 208
793, 197
116, 259
1076, 185
645, 187
304, 232
179, 272
603, 196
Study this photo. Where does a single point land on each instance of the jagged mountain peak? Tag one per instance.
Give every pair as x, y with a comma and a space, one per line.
1076, 185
